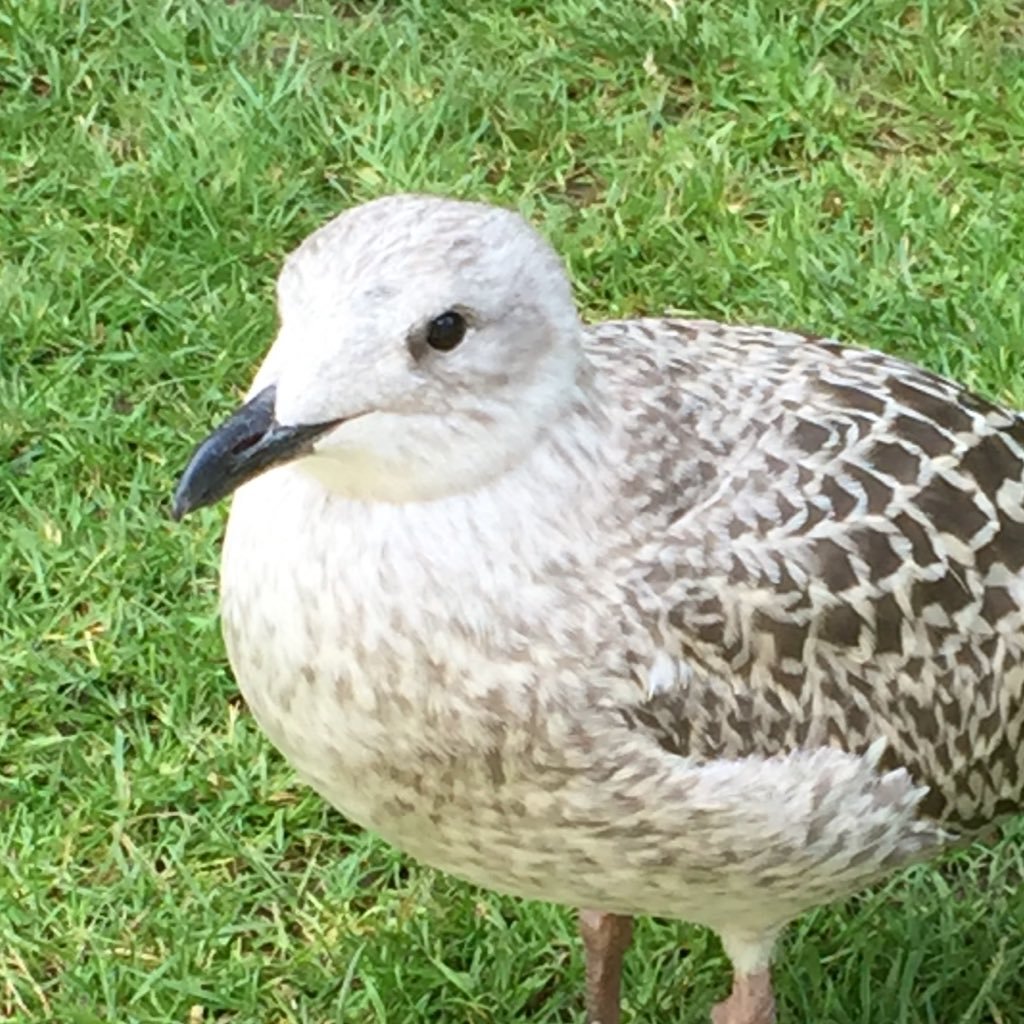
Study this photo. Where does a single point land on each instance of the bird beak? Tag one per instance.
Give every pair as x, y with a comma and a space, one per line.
243, 446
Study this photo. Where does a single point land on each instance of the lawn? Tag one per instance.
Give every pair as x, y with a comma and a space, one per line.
851, 168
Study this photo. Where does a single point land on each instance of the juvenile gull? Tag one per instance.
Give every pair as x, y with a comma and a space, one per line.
646, 617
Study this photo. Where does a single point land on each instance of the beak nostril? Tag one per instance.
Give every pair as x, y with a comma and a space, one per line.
246, 442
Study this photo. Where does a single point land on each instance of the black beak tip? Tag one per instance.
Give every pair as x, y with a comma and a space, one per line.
246, 444
193, 487
219, 463
185, 498
179, 509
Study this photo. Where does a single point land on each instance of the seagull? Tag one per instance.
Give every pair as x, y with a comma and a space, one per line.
650, 616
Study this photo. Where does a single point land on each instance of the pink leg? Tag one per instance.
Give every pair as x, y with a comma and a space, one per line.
750, 1002
606, 938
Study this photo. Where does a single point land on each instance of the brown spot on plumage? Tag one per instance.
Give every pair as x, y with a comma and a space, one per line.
841, 626
840, 498
924, 435
895, 460
852, 397
810, 437
934, 407
888, 626
834, 566
944, 500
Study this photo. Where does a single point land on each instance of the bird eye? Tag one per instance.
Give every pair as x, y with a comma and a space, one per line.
446, 331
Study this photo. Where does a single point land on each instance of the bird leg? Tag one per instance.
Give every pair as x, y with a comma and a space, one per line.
750, 1002
606, 938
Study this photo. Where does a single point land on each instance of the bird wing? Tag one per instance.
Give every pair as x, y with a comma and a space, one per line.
837, 557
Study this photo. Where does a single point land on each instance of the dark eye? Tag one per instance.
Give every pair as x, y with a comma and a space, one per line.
444, 332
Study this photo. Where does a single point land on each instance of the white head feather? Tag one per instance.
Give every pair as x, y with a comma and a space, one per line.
355, 300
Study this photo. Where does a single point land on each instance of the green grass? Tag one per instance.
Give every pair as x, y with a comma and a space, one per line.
853, 169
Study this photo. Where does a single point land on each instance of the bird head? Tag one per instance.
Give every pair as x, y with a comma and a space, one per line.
423, 345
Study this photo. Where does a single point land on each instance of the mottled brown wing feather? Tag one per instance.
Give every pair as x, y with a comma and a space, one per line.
852, 530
